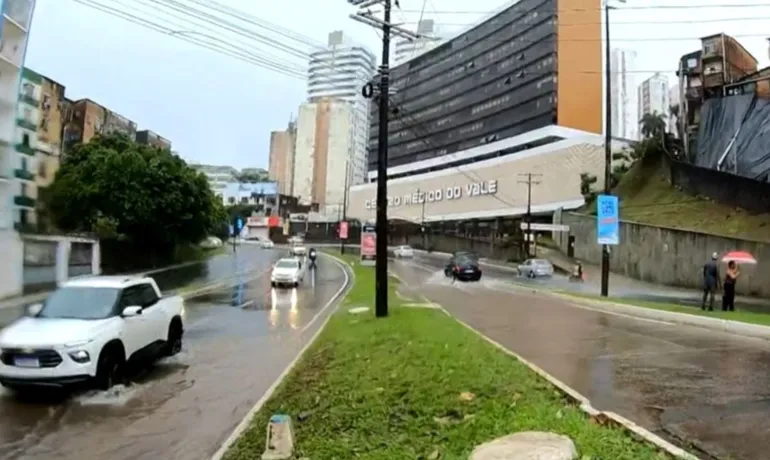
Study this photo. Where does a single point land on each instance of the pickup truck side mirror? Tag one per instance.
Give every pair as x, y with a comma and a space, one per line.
132, 311
34, 309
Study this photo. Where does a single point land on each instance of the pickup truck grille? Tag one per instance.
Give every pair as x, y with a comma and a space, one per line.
46, 358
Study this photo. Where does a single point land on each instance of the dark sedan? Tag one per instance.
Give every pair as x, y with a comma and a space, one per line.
463, 269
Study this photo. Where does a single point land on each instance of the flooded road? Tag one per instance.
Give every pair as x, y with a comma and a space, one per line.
238, 340
686, 384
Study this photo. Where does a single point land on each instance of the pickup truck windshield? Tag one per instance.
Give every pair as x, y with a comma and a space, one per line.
287, 264
80, 303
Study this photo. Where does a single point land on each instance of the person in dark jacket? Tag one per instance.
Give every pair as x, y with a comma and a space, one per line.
731, 277
312, 255
711, 281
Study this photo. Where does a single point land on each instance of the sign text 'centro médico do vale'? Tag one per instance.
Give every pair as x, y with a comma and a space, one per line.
455, 192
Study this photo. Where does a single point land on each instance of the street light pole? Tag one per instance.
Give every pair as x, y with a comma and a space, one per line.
605, 282
344, 205
529, 183
364, 15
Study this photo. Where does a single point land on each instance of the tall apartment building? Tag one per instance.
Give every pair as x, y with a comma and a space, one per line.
622, 100
281, 163
674, 96
654, 96
89, 119
323, 153
339, 72
53, 112
15, 154
406, 49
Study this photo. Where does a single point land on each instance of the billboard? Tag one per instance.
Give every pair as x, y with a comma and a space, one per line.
368, 245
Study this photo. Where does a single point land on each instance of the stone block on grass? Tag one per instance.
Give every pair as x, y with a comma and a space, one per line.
527, 445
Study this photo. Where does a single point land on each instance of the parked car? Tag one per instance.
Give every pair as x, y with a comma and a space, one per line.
403, 252
533, 268
288, 272
465, 268
88, 330
211, 242
266, 244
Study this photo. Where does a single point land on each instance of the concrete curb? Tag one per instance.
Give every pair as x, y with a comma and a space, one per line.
604, 418
244, 424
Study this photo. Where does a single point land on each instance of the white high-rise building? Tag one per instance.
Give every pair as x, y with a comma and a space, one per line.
407, 49
322, 152
654, 96
339, 72
16, 149
622, 101
673, 97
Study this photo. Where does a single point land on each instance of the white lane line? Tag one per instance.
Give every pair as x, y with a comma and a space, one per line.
219, 454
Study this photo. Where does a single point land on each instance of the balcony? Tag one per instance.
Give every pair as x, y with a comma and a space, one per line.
18, 12
22, 227
23, 174
25, 149
26, 124
24, 201
29, 99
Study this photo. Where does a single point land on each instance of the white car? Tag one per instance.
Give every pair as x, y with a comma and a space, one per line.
266, 244
532, 268
88, 330
298, 250
404, 252
288, 272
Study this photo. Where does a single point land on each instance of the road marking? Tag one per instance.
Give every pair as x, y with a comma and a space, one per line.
241, 427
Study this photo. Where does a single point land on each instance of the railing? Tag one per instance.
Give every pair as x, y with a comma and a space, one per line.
23, 174
24, 201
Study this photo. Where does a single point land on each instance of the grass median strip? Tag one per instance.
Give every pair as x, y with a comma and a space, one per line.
417, 385
762, 319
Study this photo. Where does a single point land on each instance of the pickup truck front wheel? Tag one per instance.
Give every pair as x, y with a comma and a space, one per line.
109, 368
174, 340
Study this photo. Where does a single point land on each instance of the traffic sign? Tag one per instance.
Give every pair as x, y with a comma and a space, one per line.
343, 230
607, 220
239, 224
537, 227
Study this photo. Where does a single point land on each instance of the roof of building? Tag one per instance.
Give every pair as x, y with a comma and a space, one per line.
734, 40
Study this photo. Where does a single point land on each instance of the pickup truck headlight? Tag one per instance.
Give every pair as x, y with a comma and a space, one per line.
80, 356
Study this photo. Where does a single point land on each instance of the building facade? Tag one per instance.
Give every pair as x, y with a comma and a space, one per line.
476, 113
625, 121
89, 119
281, 162
406, 49
324, 153
53, 114
339, 72
16, 157
26, 142
497, 80
147, 137
654, 96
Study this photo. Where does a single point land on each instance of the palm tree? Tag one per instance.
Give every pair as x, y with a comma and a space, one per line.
653, 125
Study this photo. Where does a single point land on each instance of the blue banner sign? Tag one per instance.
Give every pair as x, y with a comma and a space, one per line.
607, 220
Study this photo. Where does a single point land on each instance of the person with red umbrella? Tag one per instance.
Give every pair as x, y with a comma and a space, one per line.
731, 276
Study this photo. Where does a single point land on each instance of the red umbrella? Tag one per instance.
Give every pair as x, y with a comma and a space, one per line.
741, 257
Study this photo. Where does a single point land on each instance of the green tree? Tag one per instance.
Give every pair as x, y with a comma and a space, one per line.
653, 125
146, 203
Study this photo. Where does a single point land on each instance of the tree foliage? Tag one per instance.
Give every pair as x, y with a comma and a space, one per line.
146, 198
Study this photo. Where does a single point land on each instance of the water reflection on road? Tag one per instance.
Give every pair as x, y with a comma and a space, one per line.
182, 407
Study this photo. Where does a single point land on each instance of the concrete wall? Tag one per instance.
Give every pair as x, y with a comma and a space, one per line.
665, 256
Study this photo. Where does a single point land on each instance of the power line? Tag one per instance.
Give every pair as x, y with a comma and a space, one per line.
645, 8
572, 24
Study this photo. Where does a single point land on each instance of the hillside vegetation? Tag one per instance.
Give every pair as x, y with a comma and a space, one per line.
647, 197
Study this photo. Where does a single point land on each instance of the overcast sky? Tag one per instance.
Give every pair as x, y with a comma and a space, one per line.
220, 109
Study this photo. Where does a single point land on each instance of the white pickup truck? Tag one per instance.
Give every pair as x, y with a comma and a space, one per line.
88, 330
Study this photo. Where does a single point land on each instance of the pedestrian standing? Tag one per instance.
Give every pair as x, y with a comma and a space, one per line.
731, 277
711, 281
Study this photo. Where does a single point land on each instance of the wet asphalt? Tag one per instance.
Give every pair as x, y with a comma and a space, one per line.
703, 390
238, 340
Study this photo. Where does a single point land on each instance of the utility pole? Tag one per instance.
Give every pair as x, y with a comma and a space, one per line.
345, 205
366, 16
607, 140
529, 182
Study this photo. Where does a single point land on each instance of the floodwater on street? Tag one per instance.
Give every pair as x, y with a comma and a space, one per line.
238, 340
687, 384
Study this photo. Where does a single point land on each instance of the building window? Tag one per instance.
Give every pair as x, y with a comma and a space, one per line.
709, 48
25, 140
